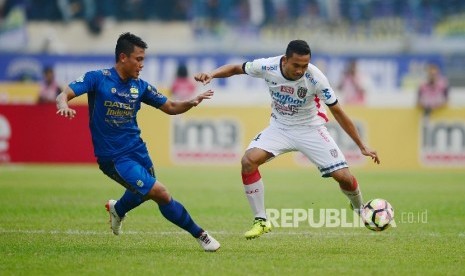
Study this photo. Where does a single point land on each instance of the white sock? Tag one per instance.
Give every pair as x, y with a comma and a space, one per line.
255, 193
355, 198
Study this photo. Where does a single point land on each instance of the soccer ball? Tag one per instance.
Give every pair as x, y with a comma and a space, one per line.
377, 214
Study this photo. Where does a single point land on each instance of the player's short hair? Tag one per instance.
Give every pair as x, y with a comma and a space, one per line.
299, 47
182, 71
126, 43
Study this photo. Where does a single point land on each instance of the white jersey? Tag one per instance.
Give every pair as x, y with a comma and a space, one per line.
294, 102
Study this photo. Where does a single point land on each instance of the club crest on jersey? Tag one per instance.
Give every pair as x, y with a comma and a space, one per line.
302, 92
106, 72
134, 92
113, 90
333, 152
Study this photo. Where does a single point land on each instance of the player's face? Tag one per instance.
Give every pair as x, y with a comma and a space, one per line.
133, 64
295, 66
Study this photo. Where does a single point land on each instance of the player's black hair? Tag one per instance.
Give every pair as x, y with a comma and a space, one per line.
47, 68
299, 47
126, 43
182, 71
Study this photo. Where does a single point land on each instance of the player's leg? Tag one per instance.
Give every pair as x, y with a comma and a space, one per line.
318, 145
252, 180
135, 172
349, 186
130, 199
263, 147
175, 212
255, 190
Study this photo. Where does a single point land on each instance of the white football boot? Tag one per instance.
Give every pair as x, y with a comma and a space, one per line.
115, 221
208, 243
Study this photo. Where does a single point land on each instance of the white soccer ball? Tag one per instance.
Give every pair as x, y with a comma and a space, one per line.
377, 214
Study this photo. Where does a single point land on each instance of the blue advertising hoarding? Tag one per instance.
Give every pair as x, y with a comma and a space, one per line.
388, 74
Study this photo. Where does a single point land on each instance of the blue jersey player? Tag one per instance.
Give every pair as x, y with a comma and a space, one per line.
114, 97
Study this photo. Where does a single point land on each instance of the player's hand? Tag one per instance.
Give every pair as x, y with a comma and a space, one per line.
203, 78
67, 112
371, 153
205, 95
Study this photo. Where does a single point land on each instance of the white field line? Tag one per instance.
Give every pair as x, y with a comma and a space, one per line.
224, 233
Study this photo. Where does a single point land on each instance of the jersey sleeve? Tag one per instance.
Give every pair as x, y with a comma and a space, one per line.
255, 68
152, 97
325, 92
85, 83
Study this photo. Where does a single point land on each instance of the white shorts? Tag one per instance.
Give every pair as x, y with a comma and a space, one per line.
314, 142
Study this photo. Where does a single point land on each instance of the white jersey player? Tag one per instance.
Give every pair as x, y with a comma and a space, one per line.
299, 92
294, 102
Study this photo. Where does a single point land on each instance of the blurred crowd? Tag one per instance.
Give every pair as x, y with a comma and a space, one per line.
419, 15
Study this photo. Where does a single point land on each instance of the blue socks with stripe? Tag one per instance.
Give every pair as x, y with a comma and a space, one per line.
127, 202
177, 214
173, 211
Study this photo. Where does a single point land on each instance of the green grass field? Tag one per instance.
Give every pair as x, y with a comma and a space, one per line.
53, 222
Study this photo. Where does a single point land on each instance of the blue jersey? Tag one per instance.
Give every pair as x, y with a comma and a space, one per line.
113, 107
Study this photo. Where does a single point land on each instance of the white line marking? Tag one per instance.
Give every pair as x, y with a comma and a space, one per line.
224, 233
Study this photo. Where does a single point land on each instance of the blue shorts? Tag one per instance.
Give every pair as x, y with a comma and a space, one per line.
134, 170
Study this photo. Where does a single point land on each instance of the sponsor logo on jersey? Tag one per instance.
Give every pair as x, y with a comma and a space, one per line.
118, 109
125, 106
311, 79
287, 89
122, 94
326, 93
286, 99
302, 92
270, 68
333, 153
156, 94
286, 110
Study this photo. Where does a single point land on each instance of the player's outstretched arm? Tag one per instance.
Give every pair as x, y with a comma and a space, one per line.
224, 71
349, 127
177, 107
62, 103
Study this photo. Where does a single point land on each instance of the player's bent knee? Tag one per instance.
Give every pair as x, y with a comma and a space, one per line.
344, 178
159, 194
247, 164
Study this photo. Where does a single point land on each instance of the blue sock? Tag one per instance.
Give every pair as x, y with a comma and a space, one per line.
127, 202
177, 214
